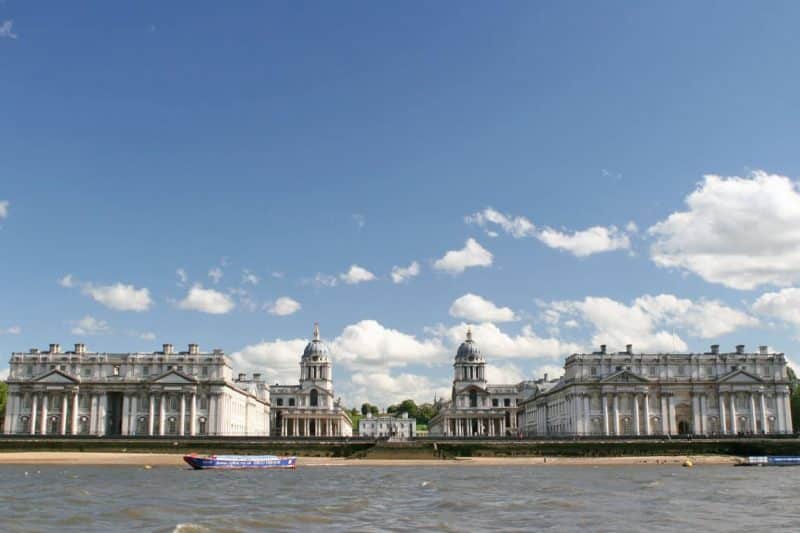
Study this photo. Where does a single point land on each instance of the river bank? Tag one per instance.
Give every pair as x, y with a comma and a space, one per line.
176, 460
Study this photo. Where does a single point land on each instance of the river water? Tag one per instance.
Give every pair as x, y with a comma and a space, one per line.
453, 498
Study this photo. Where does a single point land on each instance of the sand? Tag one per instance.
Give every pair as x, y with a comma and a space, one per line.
167, 459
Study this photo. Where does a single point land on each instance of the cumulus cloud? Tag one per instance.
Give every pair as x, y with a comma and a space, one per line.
89, 325
4, 208
4, 373
11, 330
401, 274
182, 277
516, 226
207, 301
478, 309
496, 343
6, 30
119, 296
215, 274
369, 343
278, 360
249, 277
284, 306
594, 240
67, 281
503, 374
741, 232
384, 389
784, 305
147, 335
356, 275
323, 280
472, 255
647, 321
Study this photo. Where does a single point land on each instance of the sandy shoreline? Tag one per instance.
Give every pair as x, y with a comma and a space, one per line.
168, 459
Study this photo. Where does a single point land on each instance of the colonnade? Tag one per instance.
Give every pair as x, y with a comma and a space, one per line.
486, 426
301, 426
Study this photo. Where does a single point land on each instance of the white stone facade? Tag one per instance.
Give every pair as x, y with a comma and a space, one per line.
627, 393
393, 427
475, 407
308, 409
136, 394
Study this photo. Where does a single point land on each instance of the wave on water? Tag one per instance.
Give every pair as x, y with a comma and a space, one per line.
190, 528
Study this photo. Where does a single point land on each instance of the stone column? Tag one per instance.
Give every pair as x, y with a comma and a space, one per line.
152, 418
604, 398
696, 413
635, 398
162, 414
182, 419
64, 409
764, 427
787, 412
503, 427
673, 424
12, 413
734, 422
329, 427
305, 427
193, 415
75, 409
779, 419
616, 414
43, 420
664, 414
34, 405
102, 409
723, 418
587, 416
647, 428
134, 405
703, 414
126, 416
753, 424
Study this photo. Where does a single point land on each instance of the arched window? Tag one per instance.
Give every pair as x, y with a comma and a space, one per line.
314, 398
473, 398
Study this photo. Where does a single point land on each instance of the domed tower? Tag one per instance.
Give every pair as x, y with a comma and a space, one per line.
470, 366
315, 365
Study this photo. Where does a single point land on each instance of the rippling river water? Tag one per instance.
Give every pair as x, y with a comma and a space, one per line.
455, 498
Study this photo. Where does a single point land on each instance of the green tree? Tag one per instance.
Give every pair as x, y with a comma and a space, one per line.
423, 412
369, 408
3, 397
794, 397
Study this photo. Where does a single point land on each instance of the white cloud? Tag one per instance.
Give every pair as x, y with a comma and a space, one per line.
278, 275
284, 306
551, 371
478, 309
356, 275
249, 277
5, 30
517, 227
119, 296
4, 373
401, 274
472, 255
741, 232
207, 301
147, 336
4, 208
323, 280
368, 343
503, 374
594, 240
647, 322
11, 330
784, 304
89, 325
278, 360
384, 389
67, 281
495, 343
182, 277
215, 274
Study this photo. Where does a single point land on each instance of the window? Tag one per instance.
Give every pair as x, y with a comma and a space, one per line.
291, 402
619, 368
173, 402
506, 402
202, 427
87, 372
280, 402
203, 402
473, 398
593, 371
314, 398
172, 426
29, 370
204, 371
116, 370
84, 401
495, 403
651, 370
146, 371
63, 368
681, 370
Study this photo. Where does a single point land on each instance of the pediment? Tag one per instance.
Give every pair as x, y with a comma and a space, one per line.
624, 376
739, 376
173, 377
56, 376
470, 388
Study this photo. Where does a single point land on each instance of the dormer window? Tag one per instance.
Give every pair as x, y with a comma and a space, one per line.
116, 370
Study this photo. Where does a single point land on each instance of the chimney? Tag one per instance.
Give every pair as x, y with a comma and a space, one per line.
55, 348
167, 349
602, 348
256, 377
545, 377
194, 349
629, 349
715, 349
763, 350
242, 377
80, 348
740, 348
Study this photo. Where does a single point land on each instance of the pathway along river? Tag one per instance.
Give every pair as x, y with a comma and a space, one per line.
566, 498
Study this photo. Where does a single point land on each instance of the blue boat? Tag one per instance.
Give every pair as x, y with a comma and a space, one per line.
770, 460
236, 462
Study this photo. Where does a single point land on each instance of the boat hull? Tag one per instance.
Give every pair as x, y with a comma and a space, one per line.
771, 460
239, 462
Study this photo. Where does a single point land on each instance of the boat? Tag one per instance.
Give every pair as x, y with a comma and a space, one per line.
236, 462
770, 460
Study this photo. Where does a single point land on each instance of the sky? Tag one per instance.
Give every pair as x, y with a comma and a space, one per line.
556, 175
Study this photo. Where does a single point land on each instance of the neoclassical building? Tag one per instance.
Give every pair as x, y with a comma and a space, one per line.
161, 393
393, 427
475, 407
308, 409
628, 393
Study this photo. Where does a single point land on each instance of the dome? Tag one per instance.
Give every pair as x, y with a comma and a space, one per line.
469, 351
316, 348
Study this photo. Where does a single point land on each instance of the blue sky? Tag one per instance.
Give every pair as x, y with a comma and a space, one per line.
291, 141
